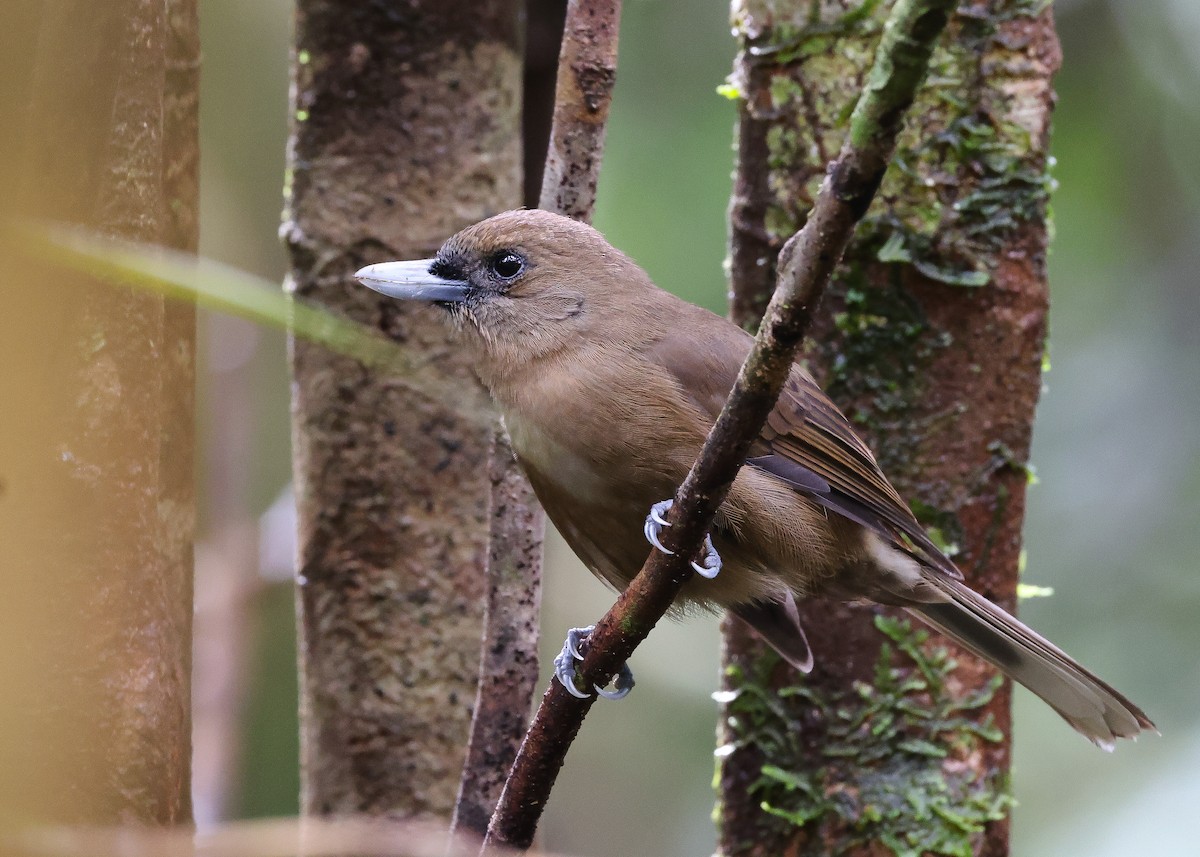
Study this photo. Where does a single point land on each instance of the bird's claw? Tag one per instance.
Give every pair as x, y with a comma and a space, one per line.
711, 565
622, 684
655, 521
575, 638
572, 651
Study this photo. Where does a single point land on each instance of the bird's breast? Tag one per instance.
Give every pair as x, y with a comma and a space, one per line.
588, 503
600, 446
557, 463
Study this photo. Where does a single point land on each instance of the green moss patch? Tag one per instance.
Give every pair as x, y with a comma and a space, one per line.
884, 762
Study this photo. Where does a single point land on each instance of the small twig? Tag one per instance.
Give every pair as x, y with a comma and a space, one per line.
587, 70
806, 263
509, 668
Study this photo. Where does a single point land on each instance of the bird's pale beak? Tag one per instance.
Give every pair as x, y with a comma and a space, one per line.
412, 281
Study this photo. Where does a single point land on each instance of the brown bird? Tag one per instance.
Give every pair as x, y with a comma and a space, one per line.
608, 387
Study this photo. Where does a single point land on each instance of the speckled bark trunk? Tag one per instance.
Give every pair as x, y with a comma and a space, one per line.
931, 340
96, 480
406, 127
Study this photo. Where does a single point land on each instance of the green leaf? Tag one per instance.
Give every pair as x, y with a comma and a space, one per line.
206, 283
1030, 590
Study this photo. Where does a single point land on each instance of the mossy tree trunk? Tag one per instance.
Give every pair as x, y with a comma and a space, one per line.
406, 127
931, 339
96, 482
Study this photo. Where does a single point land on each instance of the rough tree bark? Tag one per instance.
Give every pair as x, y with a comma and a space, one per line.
405, 129
931, 340
96, 483
587, 72
508, 668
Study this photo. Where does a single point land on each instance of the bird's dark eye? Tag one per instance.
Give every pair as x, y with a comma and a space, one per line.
507, 265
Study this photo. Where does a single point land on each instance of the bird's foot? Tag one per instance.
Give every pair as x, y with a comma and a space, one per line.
572, 651
656, 520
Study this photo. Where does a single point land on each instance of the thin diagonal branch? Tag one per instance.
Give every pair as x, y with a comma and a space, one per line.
509, 666
805, 265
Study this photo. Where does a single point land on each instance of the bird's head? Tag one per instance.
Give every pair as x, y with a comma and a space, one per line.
520, 285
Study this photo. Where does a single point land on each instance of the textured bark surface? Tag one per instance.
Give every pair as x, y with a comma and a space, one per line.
405, 129
587, 72
508, 670
96, 483
931, 340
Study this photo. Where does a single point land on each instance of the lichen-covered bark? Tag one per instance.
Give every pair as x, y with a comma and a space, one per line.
931, 340
96, 482
405, 129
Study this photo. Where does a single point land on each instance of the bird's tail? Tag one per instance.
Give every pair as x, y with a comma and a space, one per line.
1094, 709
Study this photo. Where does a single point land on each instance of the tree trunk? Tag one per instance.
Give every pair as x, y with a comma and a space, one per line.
931, 340
96, 484
406, 127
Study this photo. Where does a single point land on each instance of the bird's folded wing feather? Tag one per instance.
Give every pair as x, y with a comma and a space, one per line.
807, 436
807, 442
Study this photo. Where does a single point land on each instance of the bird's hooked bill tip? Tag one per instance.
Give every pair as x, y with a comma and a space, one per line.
411, 281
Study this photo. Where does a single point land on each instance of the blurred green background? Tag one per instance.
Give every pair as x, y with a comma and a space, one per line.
1113, 525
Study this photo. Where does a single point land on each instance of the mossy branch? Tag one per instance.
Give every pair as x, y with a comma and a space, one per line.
806, 263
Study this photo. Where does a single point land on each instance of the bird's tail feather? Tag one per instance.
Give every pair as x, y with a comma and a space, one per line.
1091, 706
778, 623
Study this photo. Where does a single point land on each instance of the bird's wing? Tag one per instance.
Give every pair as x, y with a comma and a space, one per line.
807, 441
